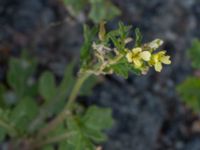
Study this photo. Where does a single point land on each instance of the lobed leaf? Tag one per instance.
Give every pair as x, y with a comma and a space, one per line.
194, 54
189, 92
88, 129
47, 86
18, 77
102, 10
23, 113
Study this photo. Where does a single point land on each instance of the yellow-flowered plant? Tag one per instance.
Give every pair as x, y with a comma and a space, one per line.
25, 119
143, 58
158, 59
120, 59
137, 56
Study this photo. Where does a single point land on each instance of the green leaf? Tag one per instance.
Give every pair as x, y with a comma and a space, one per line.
194, 54
119, 36
121, 70
67, 81
89, 35
189, 92
64, 88
124, 30
47, 86
96, 135
102, 10
79, 140
2, 134
23, 113
98, 118
19, 73
77, 5
138, 38
89, 128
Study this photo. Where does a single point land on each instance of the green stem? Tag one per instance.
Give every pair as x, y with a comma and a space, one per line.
53, 140
67, 109
10, 129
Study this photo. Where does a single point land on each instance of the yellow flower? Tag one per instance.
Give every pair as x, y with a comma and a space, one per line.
137, 56
158, 59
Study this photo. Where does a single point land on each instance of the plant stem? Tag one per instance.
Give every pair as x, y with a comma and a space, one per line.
67, 109
10, 129
53, 139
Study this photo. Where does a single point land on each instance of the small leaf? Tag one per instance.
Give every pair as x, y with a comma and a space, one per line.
79, 140
189, 92
2, 134
89, 128
64, 88
89, 35
47, 86
138, 38
96, 135
67, 81
77, 5
194, 54
19, 72
98, 118
24, 112
102, 10
119, 36
121, 70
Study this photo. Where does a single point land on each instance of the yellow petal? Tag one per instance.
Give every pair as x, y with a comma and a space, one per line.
145, 55
155, 58
165, 60
158, 67
161, 53
136, 50
129, 56
137, 62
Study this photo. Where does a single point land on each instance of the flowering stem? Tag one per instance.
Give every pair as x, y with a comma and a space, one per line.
67, 109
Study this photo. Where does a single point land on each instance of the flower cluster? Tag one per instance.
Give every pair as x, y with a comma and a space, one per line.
108, 54
144, 57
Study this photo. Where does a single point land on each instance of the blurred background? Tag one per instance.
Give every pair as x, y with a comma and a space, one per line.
148, 111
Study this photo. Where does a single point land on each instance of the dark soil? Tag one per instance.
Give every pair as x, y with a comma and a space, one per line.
147, 109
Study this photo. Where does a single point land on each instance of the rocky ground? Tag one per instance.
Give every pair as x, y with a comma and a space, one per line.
147, 109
